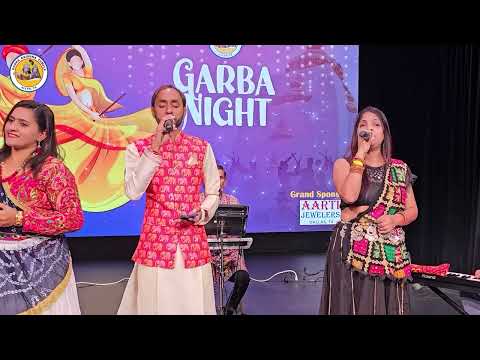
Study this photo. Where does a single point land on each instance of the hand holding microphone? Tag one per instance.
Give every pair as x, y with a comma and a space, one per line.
165, 126
365, 139
194, 216
168, 126
365, 135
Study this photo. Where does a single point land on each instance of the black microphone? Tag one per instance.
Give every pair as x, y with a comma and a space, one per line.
168, 126
365, 135
187, 217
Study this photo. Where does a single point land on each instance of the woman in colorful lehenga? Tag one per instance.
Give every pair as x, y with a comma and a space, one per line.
38, 203
94, 145
368, 264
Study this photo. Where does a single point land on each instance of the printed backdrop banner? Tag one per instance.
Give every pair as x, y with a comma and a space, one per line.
276, 116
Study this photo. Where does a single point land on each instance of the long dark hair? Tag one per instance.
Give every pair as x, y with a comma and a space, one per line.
71, 53
46, 122
387, 136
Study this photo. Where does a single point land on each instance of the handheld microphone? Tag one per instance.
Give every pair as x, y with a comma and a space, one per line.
187, 217
168, 126
365, 135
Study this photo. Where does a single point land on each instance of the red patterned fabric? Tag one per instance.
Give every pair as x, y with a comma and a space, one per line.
439, 270
173, 190
50, 202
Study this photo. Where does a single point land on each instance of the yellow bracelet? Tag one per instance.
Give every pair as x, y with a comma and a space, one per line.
358, 162
19, 218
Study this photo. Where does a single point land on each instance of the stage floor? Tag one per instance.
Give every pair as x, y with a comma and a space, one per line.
279, 296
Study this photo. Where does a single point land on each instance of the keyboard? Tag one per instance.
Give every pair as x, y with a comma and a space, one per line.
230, 243
453, 280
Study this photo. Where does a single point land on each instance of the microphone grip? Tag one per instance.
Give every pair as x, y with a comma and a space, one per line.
364, 135
168, 126
187, 217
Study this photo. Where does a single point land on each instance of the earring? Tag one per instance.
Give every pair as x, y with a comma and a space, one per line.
38, 149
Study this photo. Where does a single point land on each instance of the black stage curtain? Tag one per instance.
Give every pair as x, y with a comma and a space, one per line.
430, 94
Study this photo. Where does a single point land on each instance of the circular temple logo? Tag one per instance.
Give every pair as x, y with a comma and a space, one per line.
28, 72
225, 51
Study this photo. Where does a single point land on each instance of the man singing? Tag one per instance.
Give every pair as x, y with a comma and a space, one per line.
172, 272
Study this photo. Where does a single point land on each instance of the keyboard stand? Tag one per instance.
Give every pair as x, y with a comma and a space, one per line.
448, 300
228, 220
433, 285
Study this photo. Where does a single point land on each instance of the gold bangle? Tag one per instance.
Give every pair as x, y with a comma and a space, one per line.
357, 161
19, 218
